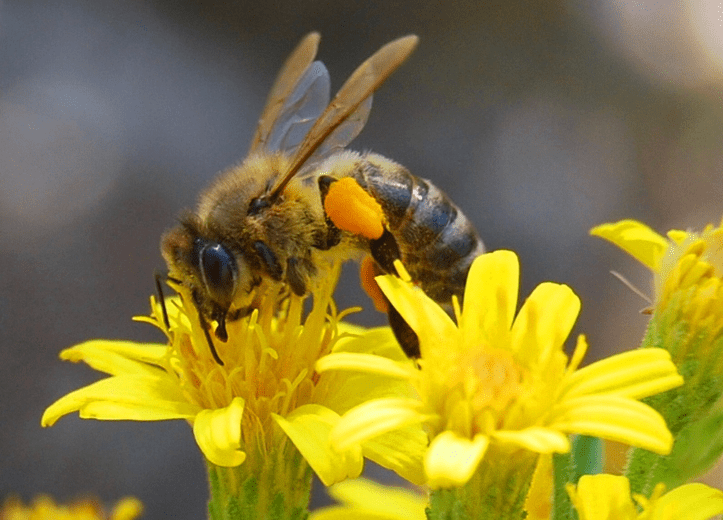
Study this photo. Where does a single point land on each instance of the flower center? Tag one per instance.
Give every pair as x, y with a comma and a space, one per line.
485, 382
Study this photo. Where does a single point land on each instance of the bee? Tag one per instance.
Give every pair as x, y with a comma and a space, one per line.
268, 219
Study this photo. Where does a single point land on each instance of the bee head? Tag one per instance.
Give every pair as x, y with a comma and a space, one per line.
213, 273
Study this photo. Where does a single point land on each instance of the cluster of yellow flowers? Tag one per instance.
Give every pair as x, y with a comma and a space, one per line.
480, 420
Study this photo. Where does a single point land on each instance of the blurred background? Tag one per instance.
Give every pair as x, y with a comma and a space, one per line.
540, 119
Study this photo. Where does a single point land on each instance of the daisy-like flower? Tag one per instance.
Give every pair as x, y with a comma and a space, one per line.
688, 279
607, 497
245, 412
498, 388
44, 507
687, 320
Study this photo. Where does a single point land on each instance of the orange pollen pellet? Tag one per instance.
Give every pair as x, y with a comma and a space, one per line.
367, 273
352, 209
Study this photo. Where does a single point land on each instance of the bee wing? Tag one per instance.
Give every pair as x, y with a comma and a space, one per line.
300, 110
360, 85
287, 80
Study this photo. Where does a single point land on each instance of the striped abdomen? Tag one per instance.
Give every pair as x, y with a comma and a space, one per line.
436, 241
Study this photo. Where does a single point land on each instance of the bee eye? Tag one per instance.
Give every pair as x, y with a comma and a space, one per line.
219, 271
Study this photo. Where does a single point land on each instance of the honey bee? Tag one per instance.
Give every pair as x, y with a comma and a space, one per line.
266, 219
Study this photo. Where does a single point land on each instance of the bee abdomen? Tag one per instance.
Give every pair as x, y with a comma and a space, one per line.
436, 240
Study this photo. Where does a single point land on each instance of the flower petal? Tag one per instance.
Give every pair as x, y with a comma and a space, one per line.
364, 499
401, 450
691, 501
614, 418
636, 374
379, 341
218, 434
490, 296
602, 497
545, 320
537, 439
373, 418
424, 315
636, 239
367, 363
451, 460
127, 397
308, 428
117, 357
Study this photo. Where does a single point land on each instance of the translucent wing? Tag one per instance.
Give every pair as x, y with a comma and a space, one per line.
360, 85
339, 138
300, 110
292, 71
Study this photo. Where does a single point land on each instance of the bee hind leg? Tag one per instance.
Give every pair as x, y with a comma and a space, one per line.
407, 338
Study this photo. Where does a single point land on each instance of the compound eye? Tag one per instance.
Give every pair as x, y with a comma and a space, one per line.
219, 271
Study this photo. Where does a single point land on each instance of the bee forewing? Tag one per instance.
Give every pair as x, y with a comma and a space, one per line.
339, 138
360, 85
345, 132
300, 110
293, 69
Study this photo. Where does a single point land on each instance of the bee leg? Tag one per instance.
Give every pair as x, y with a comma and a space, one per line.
385, 251
407, 338
162, 299
294, 277
273, 267
205, 326
333, 234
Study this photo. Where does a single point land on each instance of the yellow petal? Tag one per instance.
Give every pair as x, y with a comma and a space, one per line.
636, 374
602, 497
635, 238
451, 460
431, 323
366, 363
400, 450
545, 320
490, 297
537, 439
364, 499
118, 357
373, 418
308, 427
689, 502
379, 341
218, 434
135, 398
614, 418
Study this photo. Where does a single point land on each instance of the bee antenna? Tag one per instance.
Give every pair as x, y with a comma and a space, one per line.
161, 297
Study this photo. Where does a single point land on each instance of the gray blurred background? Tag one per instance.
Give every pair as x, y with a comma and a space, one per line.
539, 118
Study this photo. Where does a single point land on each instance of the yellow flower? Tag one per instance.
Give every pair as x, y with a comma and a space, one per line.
687, 321
45, 508
685, 261
493, 379
266, 393
363, 499
607, 497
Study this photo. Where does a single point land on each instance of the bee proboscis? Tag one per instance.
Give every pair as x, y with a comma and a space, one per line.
264, 219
